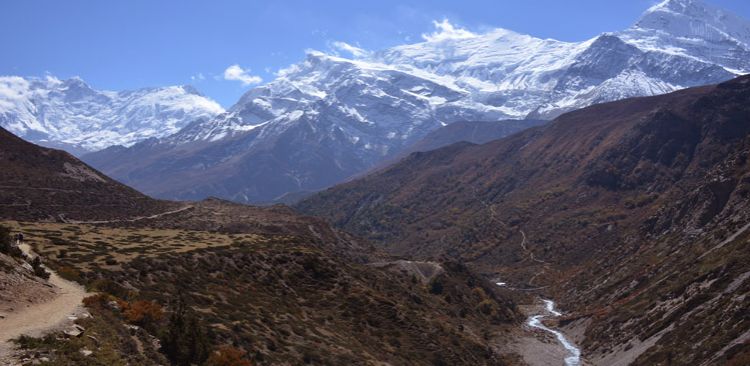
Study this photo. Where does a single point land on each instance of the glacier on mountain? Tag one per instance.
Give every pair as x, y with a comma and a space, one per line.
70, 114
330, 117
457, 75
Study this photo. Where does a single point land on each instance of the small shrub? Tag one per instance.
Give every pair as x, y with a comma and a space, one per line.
69, 273
228, 356
479, 294
436, 287
487, 307
144, 313
96, 301
6, 243
111, 287
39, 270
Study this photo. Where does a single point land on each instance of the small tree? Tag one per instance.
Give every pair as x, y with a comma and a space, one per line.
185, 341
228, 356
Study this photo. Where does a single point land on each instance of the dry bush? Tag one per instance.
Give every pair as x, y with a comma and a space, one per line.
69, 273
97, 300
228, 356
143, 313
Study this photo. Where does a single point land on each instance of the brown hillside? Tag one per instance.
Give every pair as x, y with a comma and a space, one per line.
615, 204
42, 183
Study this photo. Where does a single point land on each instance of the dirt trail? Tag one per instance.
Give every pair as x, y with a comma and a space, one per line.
38, 319
135, 219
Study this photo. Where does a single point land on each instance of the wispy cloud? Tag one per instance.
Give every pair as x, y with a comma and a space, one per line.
237, 73
353, 50
198, 77
446, 30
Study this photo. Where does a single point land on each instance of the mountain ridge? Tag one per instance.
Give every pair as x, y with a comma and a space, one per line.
347, 115
39, 183
70, 114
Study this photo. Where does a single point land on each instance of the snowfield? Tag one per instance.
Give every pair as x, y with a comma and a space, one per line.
72, 115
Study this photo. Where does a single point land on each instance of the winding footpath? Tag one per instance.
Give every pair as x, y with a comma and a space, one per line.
535, 321
41, 318
135, 219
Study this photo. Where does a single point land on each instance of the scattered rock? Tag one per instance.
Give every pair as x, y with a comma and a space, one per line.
96, 341
114, 306
74, 331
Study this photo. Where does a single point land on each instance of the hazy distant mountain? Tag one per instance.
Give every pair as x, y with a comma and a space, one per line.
328, 117
70, 114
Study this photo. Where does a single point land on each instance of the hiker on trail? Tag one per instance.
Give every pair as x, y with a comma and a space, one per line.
19, 239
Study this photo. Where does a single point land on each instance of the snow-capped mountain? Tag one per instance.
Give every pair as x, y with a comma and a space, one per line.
330, 117
70, 114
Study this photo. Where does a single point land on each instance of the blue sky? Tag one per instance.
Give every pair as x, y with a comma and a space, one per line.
137, 43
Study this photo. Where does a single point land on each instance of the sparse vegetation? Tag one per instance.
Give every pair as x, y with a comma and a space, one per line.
238, 291
6, 243
143, 313
228, 356
185, 341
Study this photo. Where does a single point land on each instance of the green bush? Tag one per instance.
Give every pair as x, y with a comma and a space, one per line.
6, 243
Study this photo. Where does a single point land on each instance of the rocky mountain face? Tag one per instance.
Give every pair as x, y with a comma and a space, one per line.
633, 212
41, 183
329, 117
69, 114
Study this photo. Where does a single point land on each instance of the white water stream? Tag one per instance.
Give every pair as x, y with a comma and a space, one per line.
535, 321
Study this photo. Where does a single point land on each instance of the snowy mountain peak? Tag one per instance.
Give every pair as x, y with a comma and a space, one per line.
70, 114
677, 6
189, 89
696, 19
329, 117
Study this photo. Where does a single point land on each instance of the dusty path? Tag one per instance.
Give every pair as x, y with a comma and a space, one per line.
135, 219
38, 319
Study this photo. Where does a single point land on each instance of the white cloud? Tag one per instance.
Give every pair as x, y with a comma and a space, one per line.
235, 72
198, 77
446, 30
355, 51
13, 90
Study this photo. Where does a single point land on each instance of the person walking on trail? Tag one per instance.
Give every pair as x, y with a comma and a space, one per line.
19, 239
